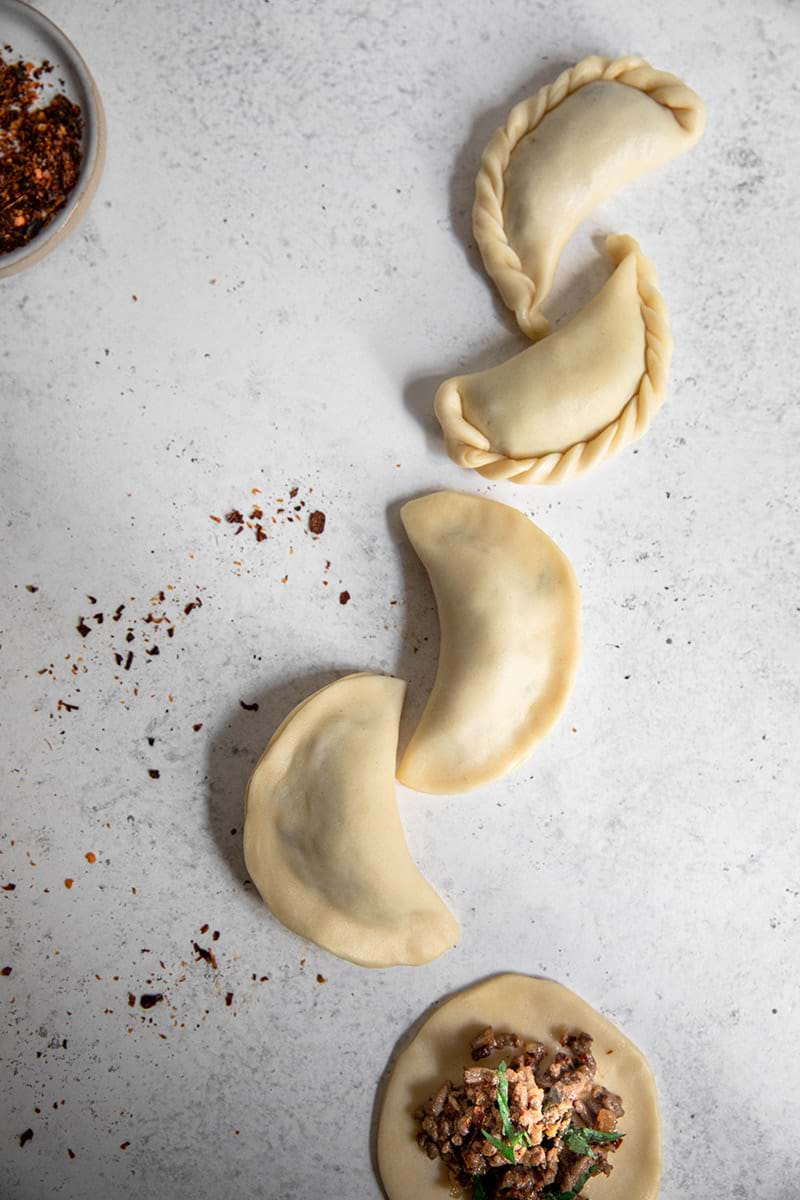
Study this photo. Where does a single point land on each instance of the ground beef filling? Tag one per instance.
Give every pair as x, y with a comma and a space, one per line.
558, 1116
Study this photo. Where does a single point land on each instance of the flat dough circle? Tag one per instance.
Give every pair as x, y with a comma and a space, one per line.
323, 840
536, 1009
574, 399
600, 125
509, 614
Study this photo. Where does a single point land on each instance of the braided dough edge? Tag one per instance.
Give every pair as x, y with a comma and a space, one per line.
501, 261
470, 448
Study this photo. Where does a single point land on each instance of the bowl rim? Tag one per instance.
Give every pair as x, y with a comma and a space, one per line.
73, 212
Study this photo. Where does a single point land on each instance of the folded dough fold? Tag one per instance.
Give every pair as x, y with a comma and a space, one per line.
600, 125
323, 841
575, 398
509, 614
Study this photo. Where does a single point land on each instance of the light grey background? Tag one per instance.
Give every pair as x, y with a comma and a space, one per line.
316, 160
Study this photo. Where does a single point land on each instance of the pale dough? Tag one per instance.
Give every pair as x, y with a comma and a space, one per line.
509, 615
323, 841
577, 397
540, 1010
602, 124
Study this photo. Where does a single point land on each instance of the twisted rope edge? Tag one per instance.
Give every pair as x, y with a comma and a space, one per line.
470, 448
500, 260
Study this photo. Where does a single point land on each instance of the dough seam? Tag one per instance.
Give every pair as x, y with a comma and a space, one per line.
470, 448
500, 260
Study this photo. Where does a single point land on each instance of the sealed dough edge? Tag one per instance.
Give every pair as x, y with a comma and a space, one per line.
538, 1009
323, 840
470, 448
501, 261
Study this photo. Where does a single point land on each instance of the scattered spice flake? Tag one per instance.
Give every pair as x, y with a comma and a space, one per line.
217, 519
6, 971
293, 493
153, 651
204, 928
264, 979
321, 979
257, 513
198, 726
124, 1145
62, 706
31, 587
68, 883
344, 597
91, 857
131, 1000
129, 660
215, 935
82, 628
118, 612
234, 517
9, 887
153, 773
229, 999
285, 579
71, 1153
316, 522
151, 999
91, 599
255, 491
192, 605
206, 955
260, 534
27, 1136
249, 707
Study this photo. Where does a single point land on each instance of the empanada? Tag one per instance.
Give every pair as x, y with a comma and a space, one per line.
323, 840
540, 1010
561, 153
575, 398
509, 614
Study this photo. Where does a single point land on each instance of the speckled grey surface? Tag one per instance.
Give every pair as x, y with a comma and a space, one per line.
275, 274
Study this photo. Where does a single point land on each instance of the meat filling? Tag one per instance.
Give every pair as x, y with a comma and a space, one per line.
526, 1129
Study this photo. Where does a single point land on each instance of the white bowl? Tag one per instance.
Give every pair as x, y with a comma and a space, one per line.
33, 38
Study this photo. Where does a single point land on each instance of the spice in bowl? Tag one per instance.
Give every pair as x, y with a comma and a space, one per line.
40, 151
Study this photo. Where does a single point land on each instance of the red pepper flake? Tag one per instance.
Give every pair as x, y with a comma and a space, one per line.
344, 597
153, 650
204, 928
192, 605
131, 1000
206, 955
321, 979
151, 999
255, 491
198, 726
249, 707
68, 883
171, 631
217, 519
98, 617
215, 935
6, 971
260, 534
264, 979
31, 587
71, 1153
234, 517
27, 1136
62, 706
91, 599
316, 522
91, 857
257, 513
229, 999
9, 887
118, 612
124, 1145
82, 628
129, 660
153, 773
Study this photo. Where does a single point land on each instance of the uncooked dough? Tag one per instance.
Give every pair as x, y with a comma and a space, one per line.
602, 124
323, 840
540, 1010
509, 615
577, 397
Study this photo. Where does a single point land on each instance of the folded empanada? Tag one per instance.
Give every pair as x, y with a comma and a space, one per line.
509, 615
575, 398
323, 840
561, 153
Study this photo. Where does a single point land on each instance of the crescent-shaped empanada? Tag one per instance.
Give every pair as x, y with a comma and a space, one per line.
602, 124
509, 614
577, 397
323, 840
539, 1010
